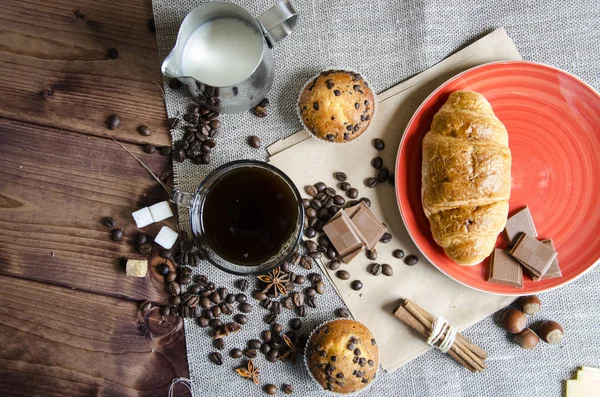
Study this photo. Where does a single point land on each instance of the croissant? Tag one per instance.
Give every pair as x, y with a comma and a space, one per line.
466, 177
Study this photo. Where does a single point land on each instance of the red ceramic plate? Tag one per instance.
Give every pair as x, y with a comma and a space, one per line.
553, 122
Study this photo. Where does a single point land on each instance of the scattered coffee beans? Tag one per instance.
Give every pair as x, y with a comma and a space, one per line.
145, 306
216, 358
145, 249
383, 175
378, 144
116, 235
245, 307
163, 269
149, 148
342, 274
254, 142
270, 389
219, 343
340, 176
295, 324
387, 270
342, 312
235, 353
113, 122
371, 182
287, 389
398, 254
375, 269
411, 260
112, 53
143, 130
386, 238
334, 264
240, 319
356, 285
371, 254
109, 222
377, 162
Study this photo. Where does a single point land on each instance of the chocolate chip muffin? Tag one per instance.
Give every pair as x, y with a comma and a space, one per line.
337, 106
342, 356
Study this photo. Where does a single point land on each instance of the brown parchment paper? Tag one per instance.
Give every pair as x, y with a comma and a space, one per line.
307, 161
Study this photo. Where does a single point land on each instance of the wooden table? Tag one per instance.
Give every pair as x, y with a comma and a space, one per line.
69, 318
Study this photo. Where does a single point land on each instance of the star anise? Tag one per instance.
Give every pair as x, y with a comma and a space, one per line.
293, 351
251, 372
276, 281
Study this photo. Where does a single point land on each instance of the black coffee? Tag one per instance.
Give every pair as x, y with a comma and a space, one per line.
248, 215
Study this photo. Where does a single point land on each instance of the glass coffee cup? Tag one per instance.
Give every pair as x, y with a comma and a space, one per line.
246, 217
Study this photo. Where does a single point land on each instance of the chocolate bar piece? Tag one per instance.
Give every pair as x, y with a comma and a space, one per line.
352, 229
532, 254
554, 269
504, 270
520, 222
343, 236
367, 224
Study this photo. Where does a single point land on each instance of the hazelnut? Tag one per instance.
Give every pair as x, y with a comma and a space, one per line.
551, 332
527, 339
530, 305
514, 321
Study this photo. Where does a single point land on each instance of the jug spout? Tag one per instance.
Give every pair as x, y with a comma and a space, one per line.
170, 66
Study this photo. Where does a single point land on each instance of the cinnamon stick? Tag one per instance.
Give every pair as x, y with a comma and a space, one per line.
462, 350
404, 315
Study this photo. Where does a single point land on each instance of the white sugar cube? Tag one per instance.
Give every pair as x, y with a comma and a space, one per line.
137, 268
143, 217
166, 237
161, 211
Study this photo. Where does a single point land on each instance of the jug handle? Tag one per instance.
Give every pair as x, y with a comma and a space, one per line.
278, 22
182, 199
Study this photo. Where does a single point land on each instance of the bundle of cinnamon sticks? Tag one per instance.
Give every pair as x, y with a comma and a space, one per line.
462, 350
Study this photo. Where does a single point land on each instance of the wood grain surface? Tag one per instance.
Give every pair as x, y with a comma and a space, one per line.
61, 342
69, 318
62, 46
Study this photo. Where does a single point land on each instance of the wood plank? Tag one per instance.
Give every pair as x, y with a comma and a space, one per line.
60, 342
55, 188
43, 44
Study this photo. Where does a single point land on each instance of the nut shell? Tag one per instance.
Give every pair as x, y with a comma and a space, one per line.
551, 332
527, 339
514, 321
530, 305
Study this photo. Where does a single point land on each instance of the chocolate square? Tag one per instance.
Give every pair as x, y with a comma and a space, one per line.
520, 222
534, 255
367, 224
504, 270
342, 235
554, 269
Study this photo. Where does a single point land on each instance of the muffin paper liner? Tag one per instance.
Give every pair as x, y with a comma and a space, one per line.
329, 392
309, 81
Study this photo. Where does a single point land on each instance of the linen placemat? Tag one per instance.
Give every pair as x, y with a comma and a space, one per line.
390, 41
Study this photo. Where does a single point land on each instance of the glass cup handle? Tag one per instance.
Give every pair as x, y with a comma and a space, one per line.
278, 22
182, 199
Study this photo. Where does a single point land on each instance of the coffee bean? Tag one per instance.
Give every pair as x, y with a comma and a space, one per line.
311, 212
366, 201
113, 122
328, 203
295, 323
216, 358
203, 322
112, 53
311, 301
342, 312
163, 269
299, 279
174, 288
411, 260
267, 304
253, 344
288, 303
382, 175
235, 353
386, 238
270, 318
149, 148
398, 254
306, 262
352, 193
223, 293
320, 186
377, 162
356, 285
245, 307
334, 264
371, 254
287, 389
165, 310
276, 328
240, 318
240, 298
298, 299
185, 280
311, 190
145, 306
340, 176
375, 269
301, 311
242, 284
226, 308
143, 130
254, 142
320, 287
272, 389
109, 222
215, 323
371, 182
378, 144
310, 292
387, 270
310, 232
204, 303
216, 311
116, 234
215, 297
145, 248
259, 295
175, 311
180, 155
330, 192
219, 343
230, 298
311, 246
195, 289
273, 355
342, 274
323, 215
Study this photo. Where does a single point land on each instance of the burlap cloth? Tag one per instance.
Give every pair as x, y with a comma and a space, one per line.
390, 41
